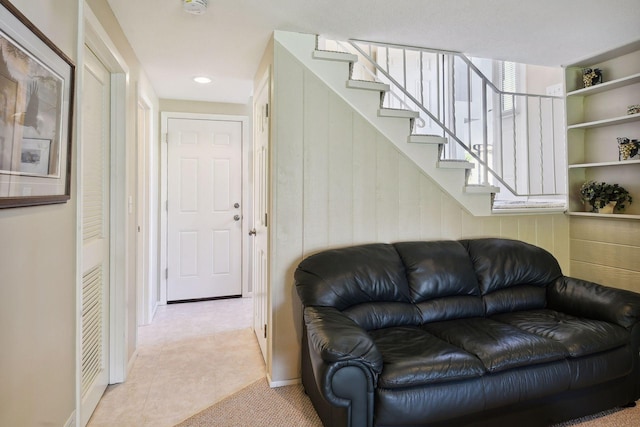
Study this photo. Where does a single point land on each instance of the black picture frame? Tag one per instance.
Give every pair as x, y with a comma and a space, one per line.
36, 114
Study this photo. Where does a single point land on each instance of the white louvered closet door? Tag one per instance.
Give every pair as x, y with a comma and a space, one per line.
95, 232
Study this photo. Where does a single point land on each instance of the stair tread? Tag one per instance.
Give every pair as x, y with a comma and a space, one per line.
455, 164
368, 85
398, 112
332, 55
481, 189
426, 139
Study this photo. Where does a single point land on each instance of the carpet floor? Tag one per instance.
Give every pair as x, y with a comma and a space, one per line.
258, 405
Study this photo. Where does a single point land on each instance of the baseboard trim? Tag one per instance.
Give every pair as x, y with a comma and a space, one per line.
132, 360
71, 422
276, 384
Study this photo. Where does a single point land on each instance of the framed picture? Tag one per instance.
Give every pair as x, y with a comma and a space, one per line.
36, 113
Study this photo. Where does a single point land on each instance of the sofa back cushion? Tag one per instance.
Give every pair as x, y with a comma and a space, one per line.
442, 281
513, 275
346, 277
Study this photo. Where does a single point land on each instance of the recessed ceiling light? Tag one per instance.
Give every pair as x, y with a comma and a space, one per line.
202, 79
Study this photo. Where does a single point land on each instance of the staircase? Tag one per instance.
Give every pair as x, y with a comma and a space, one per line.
366, 97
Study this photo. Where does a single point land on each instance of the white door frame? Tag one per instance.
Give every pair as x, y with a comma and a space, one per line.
145, 252
92, 34
246, 193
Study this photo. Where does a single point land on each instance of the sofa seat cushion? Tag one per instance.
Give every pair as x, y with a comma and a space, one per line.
579, 336
413, 357
498, 345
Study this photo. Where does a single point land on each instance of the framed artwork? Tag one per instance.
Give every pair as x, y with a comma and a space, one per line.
36, 113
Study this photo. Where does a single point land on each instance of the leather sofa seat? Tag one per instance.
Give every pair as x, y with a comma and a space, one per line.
499, 346
414, 357
580, 337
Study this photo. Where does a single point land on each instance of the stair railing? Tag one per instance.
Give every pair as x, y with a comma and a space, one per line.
515, 133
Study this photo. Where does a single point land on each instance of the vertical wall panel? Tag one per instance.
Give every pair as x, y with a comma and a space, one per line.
386, 191
340, 172
430, 212
286, 225
316, 165
409, 215
364, 181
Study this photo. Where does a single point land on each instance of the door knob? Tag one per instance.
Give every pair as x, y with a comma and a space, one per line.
236, 217
236, 205
252, 232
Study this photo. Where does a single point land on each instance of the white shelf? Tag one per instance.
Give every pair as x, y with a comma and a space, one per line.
603, 164
603, 87
604, 216
611, 96
606, 122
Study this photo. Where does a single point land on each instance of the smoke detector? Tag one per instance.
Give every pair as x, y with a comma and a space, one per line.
195, 7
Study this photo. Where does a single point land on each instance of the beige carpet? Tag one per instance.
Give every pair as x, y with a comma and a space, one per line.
260, 406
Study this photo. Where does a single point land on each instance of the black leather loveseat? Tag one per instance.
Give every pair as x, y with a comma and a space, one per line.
469, 332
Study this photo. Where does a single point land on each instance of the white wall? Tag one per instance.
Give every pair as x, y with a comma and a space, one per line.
337, 181
37, 286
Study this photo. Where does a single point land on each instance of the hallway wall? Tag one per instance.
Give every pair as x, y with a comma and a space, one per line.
37, 289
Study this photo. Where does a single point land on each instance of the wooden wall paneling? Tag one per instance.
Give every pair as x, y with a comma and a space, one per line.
491, 226
409, 218
471, 225
316, 164
560, 232
544, 232
386, 190
509, 227
608, 276
340, 172
527, 229
606, 254
451, 217
364, 181
430, 212
287, 215
623, 232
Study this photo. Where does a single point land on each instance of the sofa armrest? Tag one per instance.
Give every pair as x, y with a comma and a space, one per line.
591, 300
336, 338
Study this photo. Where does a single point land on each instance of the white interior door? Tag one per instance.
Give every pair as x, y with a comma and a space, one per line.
96, 96
260, 213
204, 214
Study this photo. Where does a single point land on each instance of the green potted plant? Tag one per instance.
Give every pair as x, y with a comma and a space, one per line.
603, 197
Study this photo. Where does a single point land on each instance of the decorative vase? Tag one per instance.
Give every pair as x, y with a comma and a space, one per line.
591, 76
628, 149
607, 209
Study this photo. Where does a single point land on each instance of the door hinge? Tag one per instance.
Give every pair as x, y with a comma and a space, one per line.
166, 273
266, 111
265, 331
266, 219
166, 138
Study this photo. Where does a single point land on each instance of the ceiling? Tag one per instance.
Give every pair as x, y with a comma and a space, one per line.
227, 42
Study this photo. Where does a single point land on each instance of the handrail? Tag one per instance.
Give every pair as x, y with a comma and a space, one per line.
482, 157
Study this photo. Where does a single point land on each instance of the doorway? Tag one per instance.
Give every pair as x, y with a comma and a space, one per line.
203, 187
101, 240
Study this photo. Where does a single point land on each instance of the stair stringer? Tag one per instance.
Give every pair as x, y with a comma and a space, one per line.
335, 75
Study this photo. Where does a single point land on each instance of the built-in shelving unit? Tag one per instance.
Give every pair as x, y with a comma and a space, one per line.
596, 117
